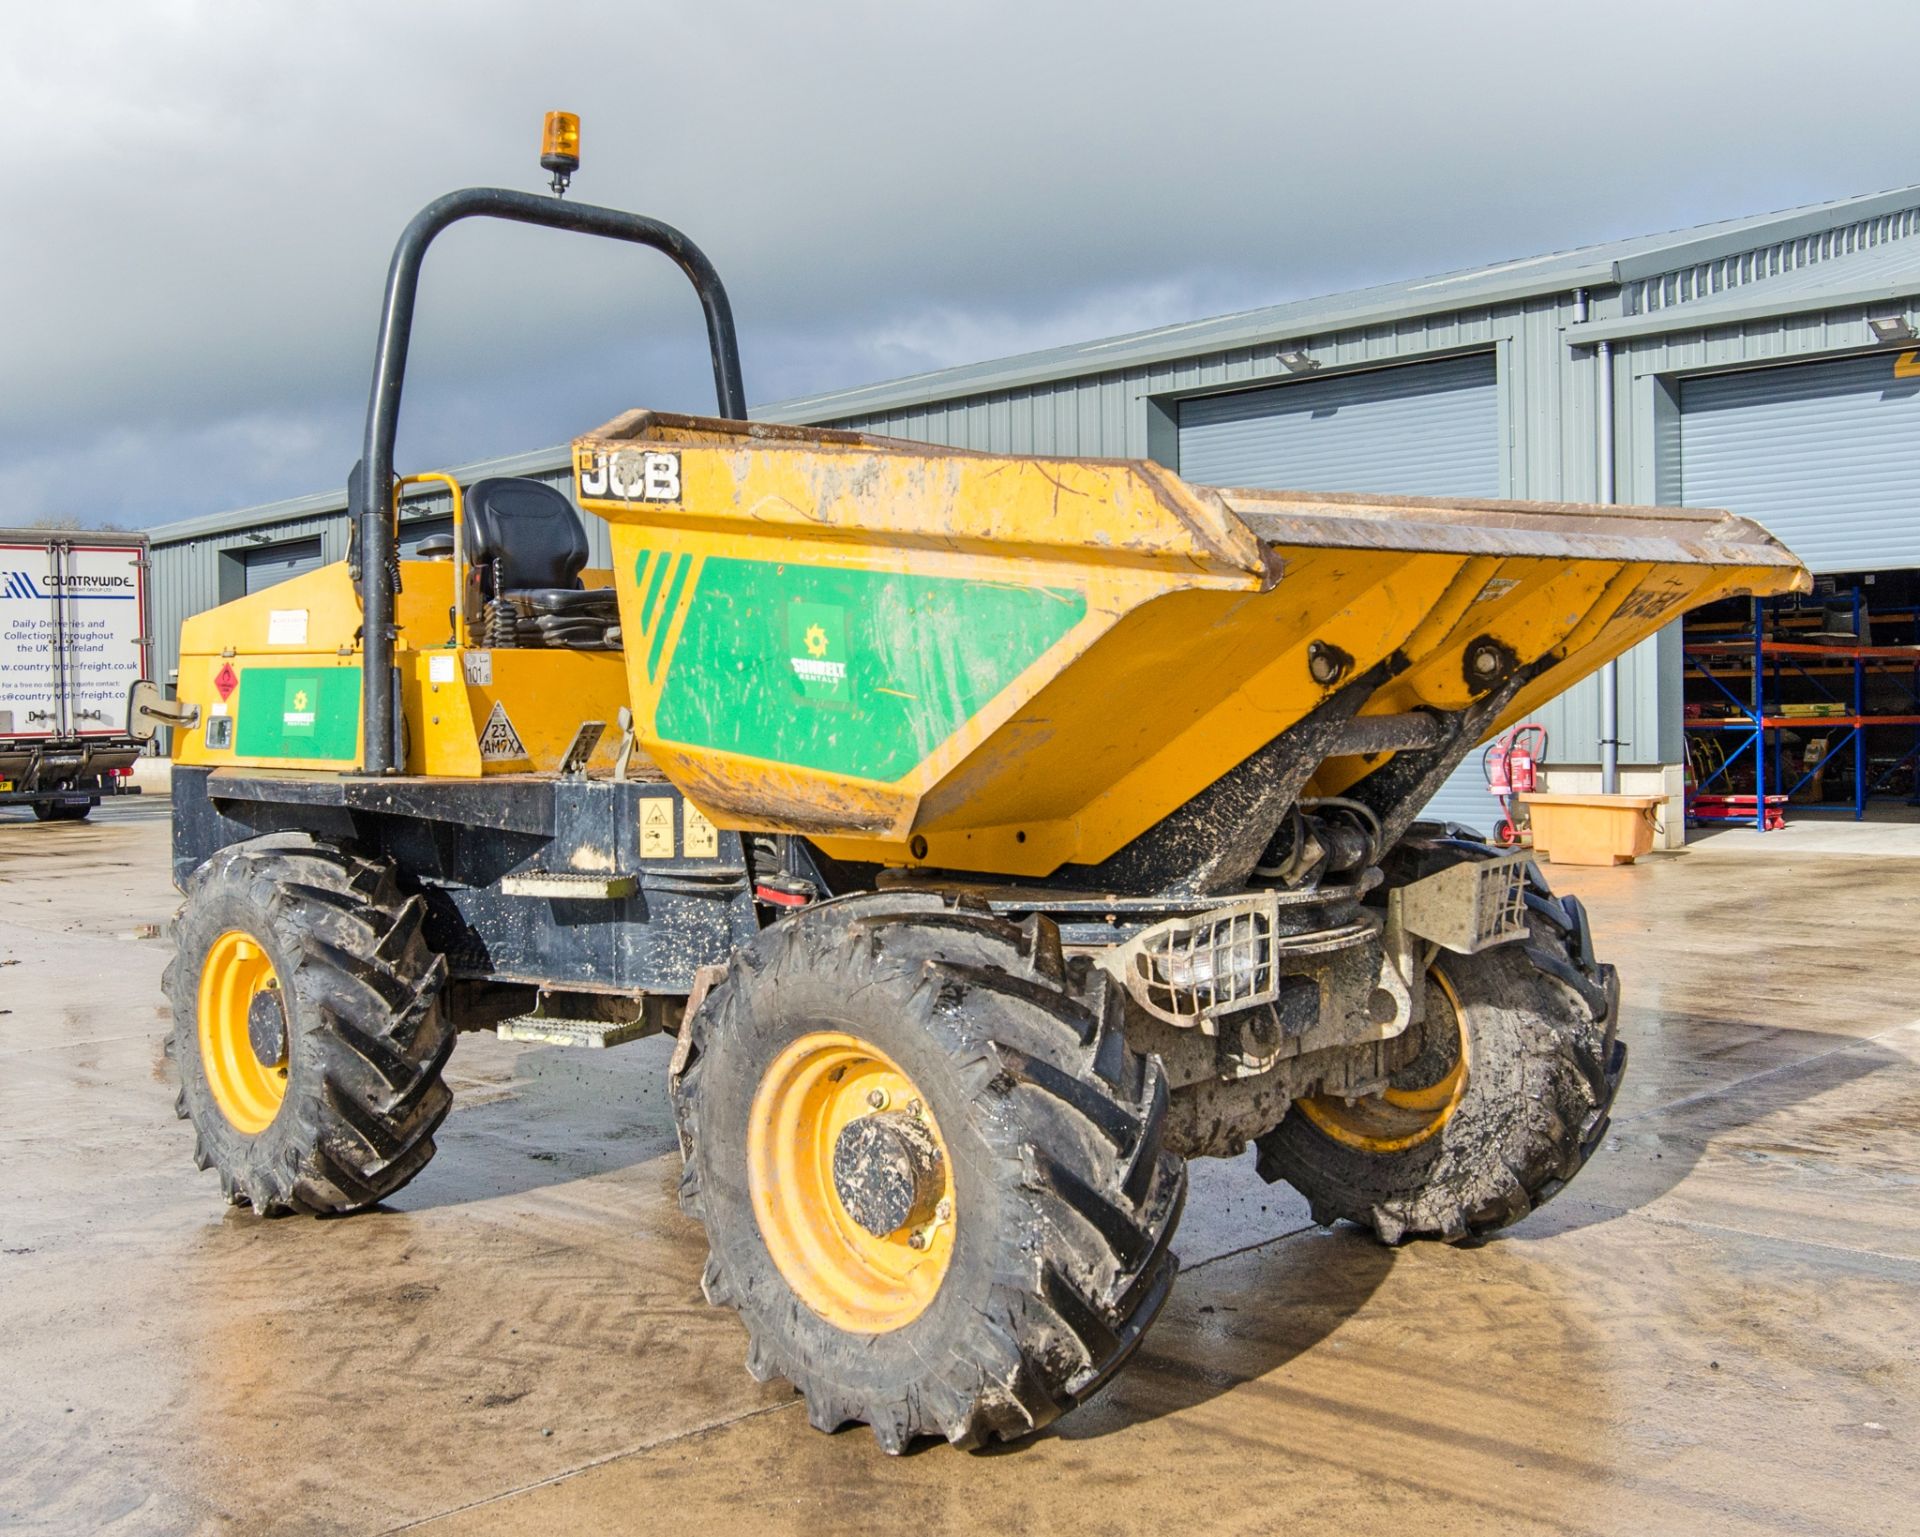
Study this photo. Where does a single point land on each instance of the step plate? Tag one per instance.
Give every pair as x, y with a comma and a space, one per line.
591, 888
539, 1030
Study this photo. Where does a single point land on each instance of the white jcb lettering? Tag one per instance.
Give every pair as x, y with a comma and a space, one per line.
632, 476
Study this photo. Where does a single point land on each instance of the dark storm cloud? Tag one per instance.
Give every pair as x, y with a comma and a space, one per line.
201, 198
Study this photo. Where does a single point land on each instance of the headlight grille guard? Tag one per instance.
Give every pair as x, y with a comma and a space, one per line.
1190, 971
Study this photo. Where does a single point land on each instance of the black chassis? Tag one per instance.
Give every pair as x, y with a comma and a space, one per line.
90, 792
457, 841
67, 772
662, 917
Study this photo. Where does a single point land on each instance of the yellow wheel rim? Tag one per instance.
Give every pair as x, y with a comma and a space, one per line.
856, 1281
248, 1091
1395, 1119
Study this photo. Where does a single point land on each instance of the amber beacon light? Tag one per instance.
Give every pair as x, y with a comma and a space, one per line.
560, 148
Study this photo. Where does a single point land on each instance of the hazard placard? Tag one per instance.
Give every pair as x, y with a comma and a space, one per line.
226, 680
656, 827
700, 839
499, 742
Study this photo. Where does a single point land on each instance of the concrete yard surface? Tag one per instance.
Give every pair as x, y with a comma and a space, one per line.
1715, 1329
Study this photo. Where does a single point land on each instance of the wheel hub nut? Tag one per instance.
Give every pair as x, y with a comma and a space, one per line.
886, 1172
267, 1027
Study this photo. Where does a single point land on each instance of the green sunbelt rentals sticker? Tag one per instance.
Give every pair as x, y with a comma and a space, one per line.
297, 712
817, 650
887, 664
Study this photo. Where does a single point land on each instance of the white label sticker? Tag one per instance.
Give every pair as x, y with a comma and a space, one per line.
287, 627
499, 742
480, 668
1497, 587
217, 709
440, 669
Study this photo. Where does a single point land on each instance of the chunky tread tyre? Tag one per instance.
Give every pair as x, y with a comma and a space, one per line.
1066, 1200
368, 1037
1541, 1016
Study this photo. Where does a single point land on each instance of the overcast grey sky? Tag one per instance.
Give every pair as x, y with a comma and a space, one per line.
201, 197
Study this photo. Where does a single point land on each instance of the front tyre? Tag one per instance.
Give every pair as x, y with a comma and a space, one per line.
929, 1167
1505, 1100
307, 1027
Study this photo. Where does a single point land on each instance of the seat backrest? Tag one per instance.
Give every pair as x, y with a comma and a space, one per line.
529, 532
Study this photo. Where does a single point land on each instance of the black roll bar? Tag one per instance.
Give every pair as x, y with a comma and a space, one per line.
389, 374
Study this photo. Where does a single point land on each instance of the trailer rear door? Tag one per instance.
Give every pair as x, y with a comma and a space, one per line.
72, 637
29, 680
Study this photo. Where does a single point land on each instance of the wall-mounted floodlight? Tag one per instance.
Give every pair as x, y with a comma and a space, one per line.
1298, 363
1892, 329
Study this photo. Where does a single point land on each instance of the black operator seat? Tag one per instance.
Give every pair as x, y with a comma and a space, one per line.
526, 548
523, 536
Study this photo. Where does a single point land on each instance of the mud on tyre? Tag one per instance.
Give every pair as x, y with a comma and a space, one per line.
312, 955
1507, 1098
1036, 1125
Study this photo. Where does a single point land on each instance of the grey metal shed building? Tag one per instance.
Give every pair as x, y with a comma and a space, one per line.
1729, 365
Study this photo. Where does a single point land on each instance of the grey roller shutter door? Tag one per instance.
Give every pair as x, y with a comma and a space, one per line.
274, 563
1825, 455
1420, 429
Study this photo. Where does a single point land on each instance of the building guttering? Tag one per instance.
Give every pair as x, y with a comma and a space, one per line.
1713, 313
542, 461
1297, 321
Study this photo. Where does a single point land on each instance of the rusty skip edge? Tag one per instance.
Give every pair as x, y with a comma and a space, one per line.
1243, 530
1751, 548
1215, 539
1538, 530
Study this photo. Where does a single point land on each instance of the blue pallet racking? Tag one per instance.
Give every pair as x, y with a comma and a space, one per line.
1754, 728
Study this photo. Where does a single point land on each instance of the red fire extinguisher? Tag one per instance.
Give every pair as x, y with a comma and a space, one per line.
1511, 763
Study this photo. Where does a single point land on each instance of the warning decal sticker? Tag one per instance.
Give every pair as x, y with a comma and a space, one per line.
700, 837
656, 827
499, 742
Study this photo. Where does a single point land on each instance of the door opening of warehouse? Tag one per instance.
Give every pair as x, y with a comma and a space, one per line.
1809, 705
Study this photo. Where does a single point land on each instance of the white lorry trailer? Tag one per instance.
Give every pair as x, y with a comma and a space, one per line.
73, 642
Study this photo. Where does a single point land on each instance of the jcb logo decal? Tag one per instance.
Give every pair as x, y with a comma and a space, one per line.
631, 475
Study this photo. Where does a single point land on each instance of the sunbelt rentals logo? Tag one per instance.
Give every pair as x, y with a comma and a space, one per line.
817, 650
296, 713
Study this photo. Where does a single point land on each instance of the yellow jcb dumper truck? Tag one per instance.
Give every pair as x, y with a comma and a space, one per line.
996, 833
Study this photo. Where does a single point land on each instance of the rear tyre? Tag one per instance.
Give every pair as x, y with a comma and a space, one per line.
55, 811
1505, 1102
1034, 1202
308, 1032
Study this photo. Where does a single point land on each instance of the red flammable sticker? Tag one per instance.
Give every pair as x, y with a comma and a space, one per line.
226, 680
